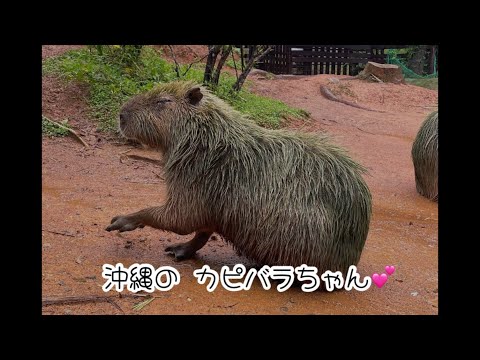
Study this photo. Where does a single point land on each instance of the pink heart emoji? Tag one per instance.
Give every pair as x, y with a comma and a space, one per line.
379, 280
390, 269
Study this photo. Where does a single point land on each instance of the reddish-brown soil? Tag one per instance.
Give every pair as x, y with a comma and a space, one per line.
84, 188
185, 54
54, 50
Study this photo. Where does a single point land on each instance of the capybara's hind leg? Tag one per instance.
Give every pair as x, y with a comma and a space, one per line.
188, 249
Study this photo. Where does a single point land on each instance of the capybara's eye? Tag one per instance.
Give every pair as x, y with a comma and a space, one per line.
163, 100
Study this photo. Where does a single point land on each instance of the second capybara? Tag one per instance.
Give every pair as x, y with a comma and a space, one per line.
425, 157
279, 197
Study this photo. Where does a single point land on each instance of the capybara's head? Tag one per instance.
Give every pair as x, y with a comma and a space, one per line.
148, 117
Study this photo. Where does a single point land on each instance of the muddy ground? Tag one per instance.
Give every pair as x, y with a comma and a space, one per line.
82, 189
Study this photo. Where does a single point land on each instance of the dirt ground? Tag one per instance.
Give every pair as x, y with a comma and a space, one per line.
82, 189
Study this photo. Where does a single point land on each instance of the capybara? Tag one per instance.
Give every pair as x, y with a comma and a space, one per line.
425, 157
279, 197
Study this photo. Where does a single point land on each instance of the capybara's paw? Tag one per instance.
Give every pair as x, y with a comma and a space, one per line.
124, 223
181, 251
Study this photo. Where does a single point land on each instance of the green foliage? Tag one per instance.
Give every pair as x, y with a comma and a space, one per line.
400, 58
112, 81
120, 54
429, 83
264, 111
52, 130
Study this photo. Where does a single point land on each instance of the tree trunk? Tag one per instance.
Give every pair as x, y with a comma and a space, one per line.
257, 53
416, 62
431, 62
213, 51
243, 76
383, 72
225, 52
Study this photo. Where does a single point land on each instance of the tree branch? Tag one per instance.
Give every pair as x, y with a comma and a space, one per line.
259, 53
195, 62
213, 51
225, 52
177, 67
234, 64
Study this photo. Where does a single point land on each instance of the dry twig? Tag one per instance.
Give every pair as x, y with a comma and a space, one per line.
71, 131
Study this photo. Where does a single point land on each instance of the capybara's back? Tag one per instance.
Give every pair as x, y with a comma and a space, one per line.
290, 199
425, 157
281, 198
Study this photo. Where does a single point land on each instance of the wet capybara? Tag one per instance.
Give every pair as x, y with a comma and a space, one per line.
425, 157
280, 198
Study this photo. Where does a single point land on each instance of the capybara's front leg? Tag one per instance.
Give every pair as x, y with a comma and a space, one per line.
158, 217
188, 249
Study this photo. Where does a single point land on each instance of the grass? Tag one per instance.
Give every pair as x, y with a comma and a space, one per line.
431, 83
112, 83
52, 130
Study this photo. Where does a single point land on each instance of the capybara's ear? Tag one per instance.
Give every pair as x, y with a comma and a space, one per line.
194, 95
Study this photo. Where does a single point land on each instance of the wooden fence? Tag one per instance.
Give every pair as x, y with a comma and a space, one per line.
322, 59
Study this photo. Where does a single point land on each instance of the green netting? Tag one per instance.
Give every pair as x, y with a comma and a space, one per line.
407, 73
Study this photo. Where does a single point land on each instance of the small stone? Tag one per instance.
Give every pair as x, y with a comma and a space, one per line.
79, 259
410, 223
61, 283
47, 245
188, 299
213, 238
435, 290
414, 293
67, 312
284, 309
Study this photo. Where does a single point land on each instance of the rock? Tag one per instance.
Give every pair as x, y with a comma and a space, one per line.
263, 73
67, 312
384, 72
414, 293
